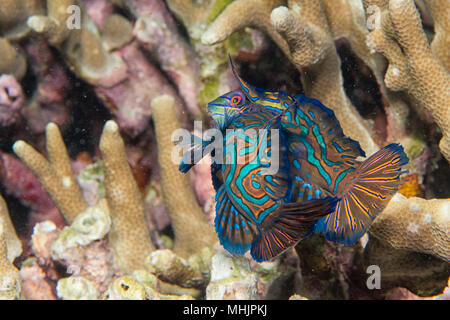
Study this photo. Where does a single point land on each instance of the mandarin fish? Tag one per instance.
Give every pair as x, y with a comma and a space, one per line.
254, 208
317, 162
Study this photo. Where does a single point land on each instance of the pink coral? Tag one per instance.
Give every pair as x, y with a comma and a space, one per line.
130, 99
11, 99
155, 29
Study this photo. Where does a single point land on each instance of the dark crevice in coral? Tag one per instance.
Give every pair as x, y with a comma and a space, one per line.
182, 31
124, 13
29, 82
268, 73
437, 183
87, 114
360, 83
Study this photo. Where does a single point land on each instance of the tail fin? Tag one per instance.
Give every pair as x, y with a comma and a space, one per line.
364, 193
293, 223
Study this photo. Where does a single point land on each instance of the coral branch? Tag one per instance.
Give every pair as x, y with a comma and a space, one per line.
440, 12
236, 17
56, 175
416, 224
412, 65
192, 232
129, 235
12, 242
304, 26
9, 244
301, 30
11, 60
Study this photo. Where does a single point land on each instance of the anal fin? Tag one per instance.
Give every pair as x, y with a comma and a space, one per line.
292, 223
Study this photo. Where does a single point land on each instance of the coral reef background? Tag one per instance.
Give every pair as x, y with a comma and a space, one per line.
91, 205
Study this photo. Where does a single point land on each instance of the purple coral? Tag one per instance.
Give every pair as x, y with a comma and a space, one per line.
11, 100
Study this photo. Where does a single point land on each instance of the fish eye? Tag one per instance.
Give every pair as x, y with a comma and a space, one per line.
236, 100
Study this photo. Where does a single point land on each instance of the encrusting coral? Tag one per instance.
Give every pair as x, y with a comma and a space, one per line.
412, 66
76, 288
192, 231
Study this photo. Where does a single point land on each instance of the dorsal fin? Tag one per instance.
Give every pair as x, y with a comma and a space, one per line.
323, 124
252, 93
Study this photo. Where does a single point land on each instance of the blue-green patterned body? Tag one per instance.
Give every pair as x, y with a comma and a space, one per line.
254, 199
317, 162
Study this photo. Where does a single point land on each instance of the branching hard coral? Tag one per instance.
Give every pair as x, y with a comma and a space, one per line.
55, 174
416, 224
129, 234
307, 41
9, 275
192, 232
12, 242
14, 14
412, 65
211, 62
117, 31
440, 11
11, 60
53, 25
81, 45
236, 16
422, 274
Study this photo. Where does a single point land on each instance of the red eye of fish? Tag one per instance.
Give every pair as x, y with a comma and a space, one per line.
235, 100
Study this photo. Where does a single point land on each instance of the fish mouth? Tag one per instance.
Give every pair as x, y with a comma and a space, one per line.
219, 103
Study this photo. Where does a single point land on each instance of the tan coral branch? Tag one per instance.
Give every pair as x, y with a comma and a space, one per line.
302, 31
9, 275
129, 234
236, 16
306, 29
412, 65
192, 232
416, 224
13, 243
440, 12
55, 175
